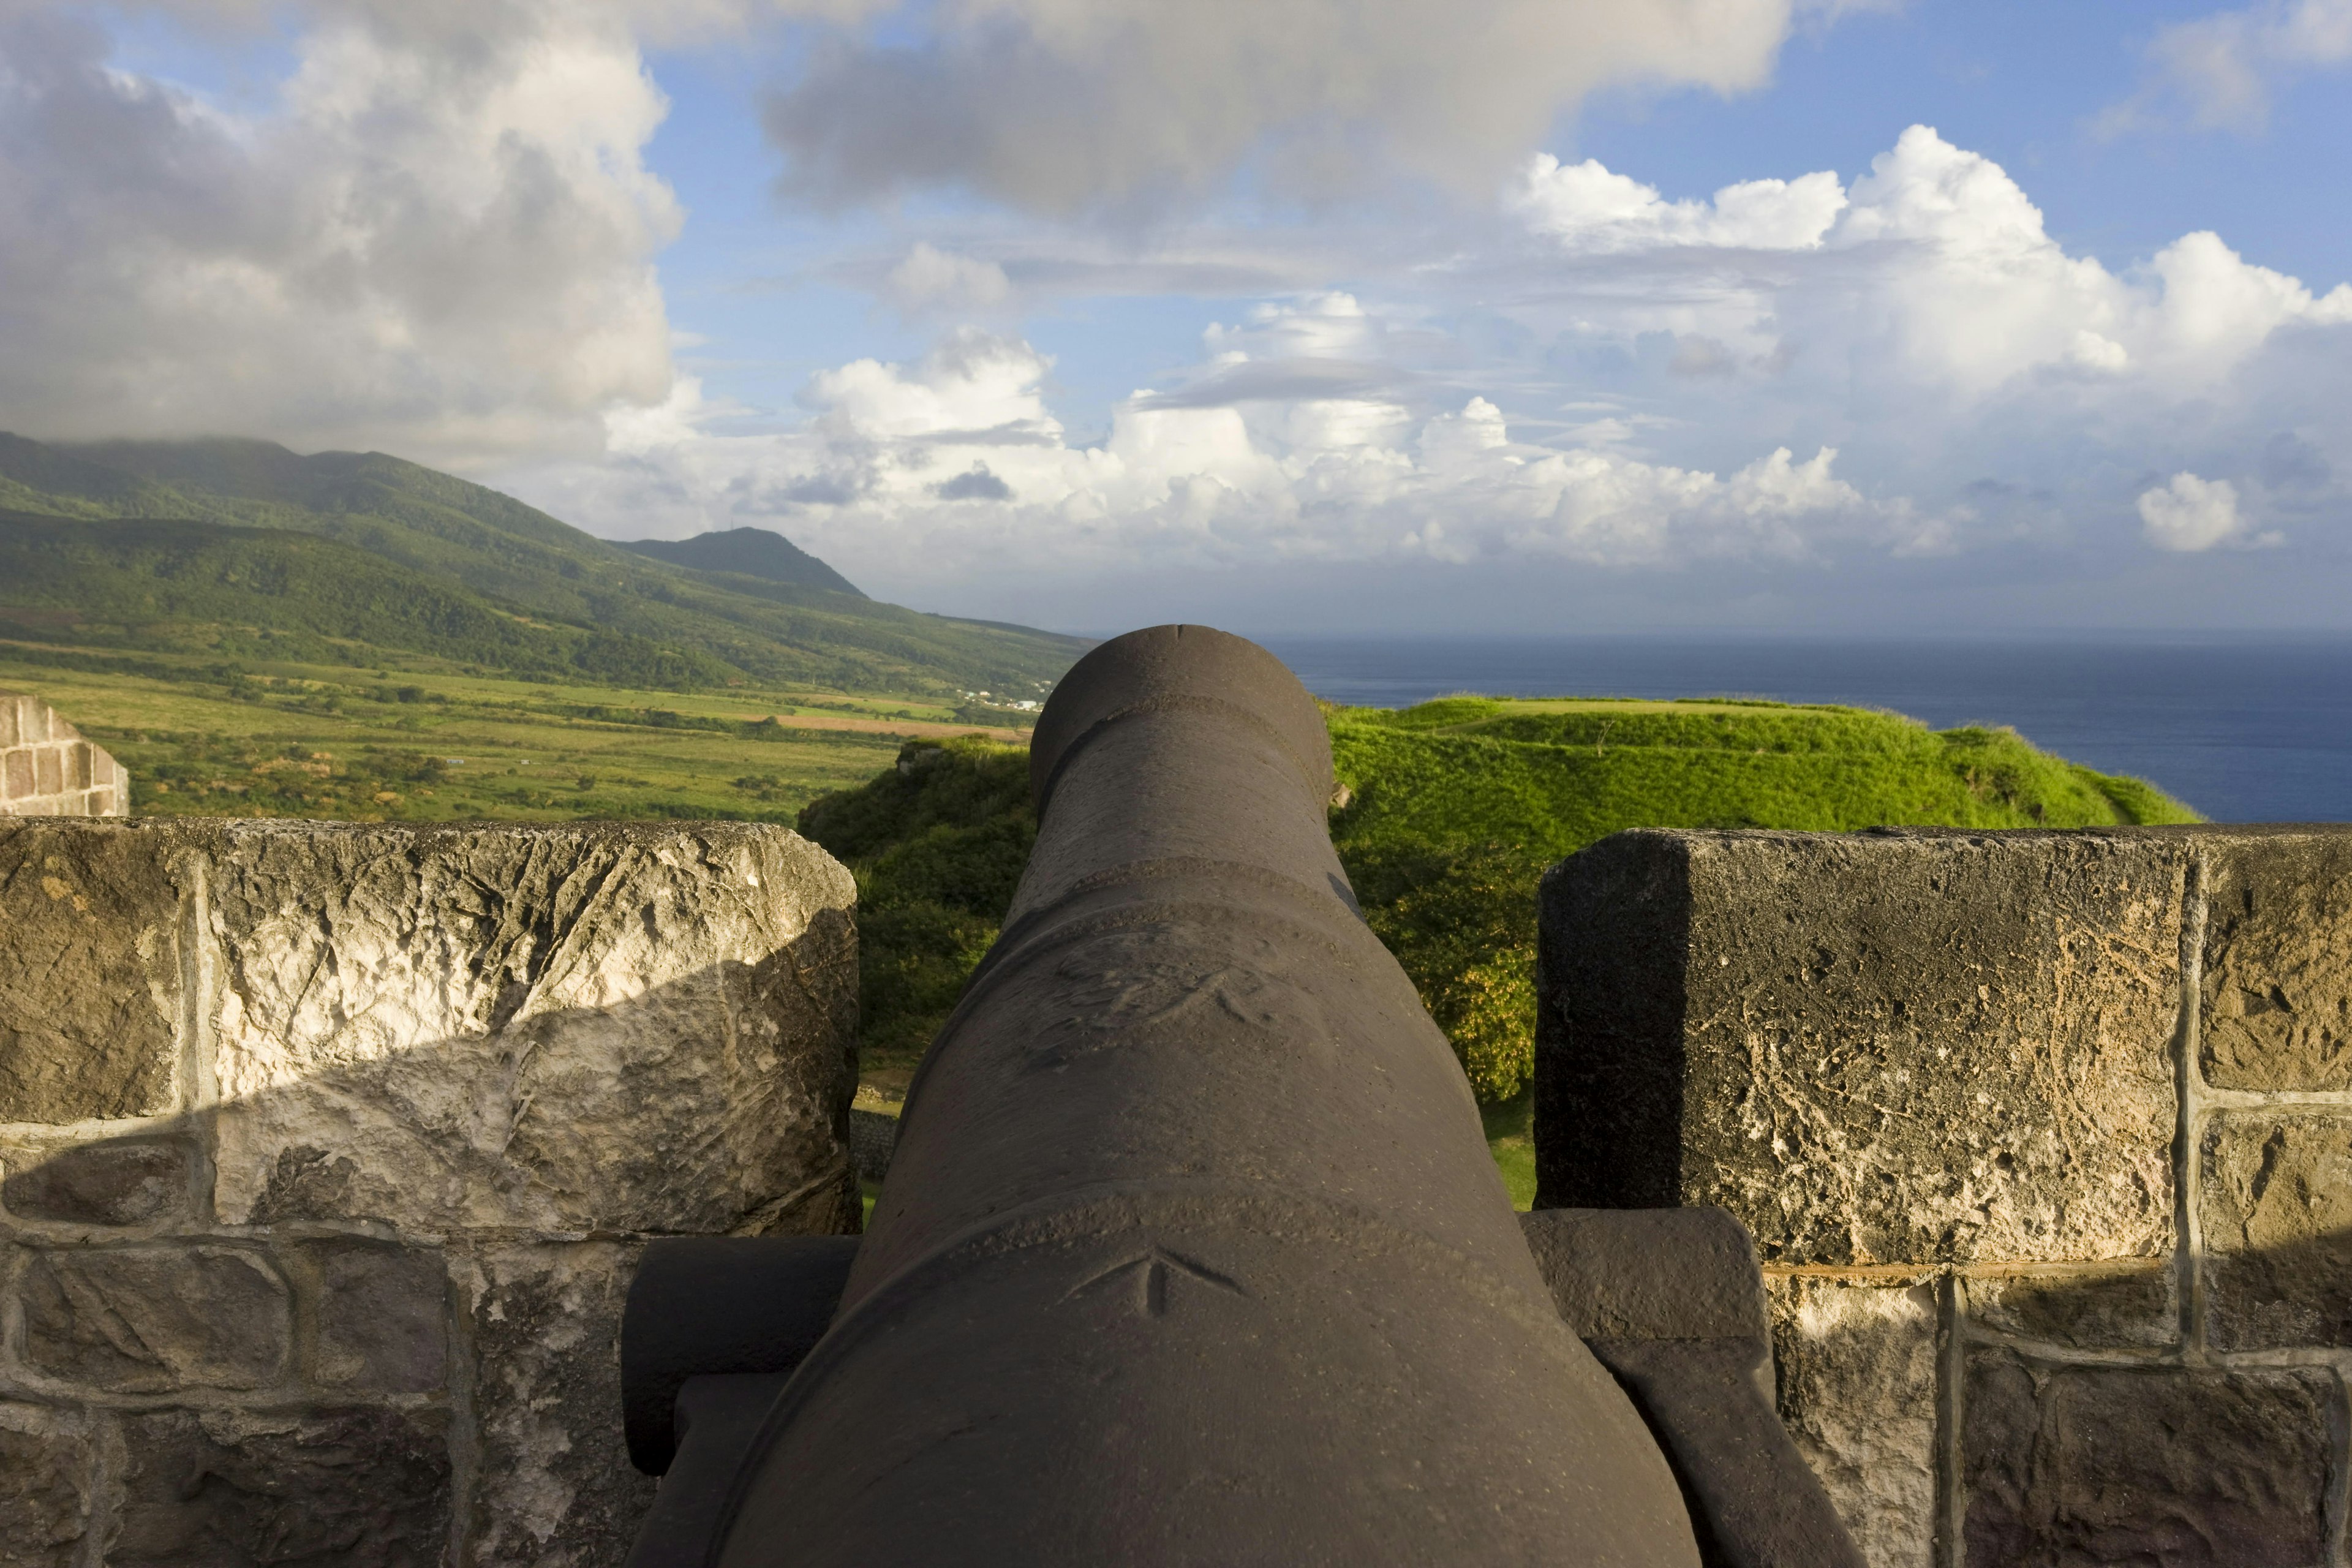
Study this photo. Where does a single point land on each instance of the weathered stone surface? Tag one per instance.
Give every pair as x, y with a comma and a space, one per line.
2277, 982
1894, 1047
89, 972
2276, 1212
556, 1489
1856, 1364
352, 1488
2134, 1304
381, 1317
2162, 1465
111, 1182
568, 1028
155, 1318
47, 1465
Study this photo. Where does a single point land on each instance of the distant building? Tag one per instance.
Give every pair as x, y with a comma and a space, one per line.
46, 769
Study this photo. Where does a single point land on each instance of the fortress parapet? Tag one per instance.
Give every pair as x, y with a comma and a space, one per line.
49, 769
2046, 1141
329, 1150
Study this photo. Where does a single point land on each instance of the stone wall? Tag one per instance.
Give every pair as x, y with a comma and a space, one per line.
46, 769
330, 1149
2046, 1141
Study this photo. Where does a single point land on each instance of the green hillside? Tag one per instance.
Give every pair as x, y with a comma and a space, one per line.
753, 552
1456, 807
199, 552
1453, 809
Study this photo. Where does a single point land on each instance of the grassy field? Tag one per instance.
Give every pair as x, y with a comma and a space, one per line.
260, 739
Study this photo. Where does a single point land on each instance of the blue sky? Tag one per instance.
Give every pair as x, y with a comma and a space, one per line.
1294, 315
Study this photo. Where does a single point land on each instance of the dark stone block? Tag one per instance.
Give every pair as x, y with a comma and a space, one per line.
2067, 1466
89, 973
48, 1465
337, 1488
2130, 1304
556, 1484
2278, 1215
2276, 1000
383, 1317
123, 1181
156, 1317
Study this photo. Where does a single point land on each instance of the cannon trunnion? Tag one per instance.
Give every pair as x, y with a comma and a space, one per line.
1191, 1250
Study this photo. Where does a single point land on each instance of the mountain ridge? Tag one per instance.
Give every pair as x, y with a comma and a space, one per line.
746, 552
497, 556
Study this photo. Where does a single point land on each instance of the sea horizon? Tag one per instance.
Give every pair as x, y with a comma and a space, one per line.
2242, 726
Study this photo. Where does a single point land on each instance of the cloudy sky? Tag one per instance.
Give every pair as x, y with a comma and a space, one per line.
1293, 315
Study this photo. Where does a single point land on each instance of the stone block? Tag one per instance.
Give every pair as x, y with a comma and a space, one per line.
1856, 1364
49, 771
2276, 1212
47, 1467
2162, 1465
577, 1027
17, 774
556, 1487
111, 1182
89, 973
155, 1318
1885, 1048
348, 1488
381, 1316
2276, 989
2131, 1305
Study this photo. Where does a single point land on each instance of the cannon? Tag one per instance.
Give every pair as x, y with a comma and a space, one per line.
1191, 1250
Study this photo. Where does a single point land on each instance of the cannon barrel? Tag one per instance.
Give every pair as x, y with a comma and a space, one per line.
1192, 1249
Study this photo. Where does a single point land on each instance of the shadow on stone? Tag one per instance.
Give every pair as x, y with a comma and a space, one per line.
336, 1285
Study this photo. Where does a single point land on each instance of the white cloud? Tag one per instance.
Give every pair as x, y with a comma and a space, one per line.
1934, 272
882, 477
2191, 514
2221, 70
1056, 105
1589, 210
1960, 381
934, 279
444, 249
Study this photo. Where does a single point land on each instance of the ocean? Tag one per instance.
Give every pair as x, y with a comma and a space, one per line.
2244, 730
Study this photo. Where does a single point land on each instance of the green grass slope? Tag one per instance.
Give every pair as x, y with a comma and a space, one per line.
259, 593
492, 550
1454, 809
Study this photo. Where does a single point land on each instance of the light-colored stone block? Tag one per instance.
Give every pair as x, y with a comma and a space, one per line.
564, 1028
2278, 973
46, 769
1856, 1366
1886, 1047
